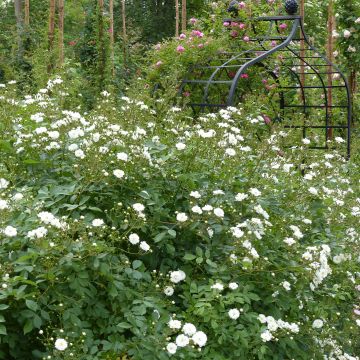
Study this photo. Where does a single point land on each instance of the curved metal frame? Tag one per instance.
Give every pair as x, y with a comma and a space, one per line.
285, 45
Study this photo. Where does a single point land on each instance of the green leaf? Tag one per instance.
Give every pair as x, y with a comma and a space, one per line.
3, 329
4, 306
189, 257
28, 326
136, 264
124, 325
211, 263
159, 237
172, 233
32, 305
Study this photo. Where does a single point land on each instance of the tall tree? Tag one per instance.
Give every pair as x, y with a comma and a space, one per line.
177, 18
51, 33
123, 8
111, 30
101, 44
183, 15
61, 31
27, 13
19, 28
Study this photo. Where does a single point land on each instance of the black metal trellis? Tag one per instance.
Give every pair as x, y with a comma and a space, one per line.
215, 85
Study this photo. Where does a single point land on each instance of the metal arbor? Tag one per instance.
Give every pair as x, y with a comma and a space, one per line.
307, 99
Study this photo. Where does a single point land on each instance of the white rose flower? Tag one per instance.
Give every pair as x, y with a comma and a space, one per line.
189, 329
313, 191
61, 344
134, 239
10, 231
234, 314
266, 336
195, 194
219, 212
138, 207
18, 197
230, 152
79, 153
3, 204
171, 348
218, 286
118, 173
241, 196
199, 339
97, 222
255, 192
3, 183
181, 217
317, 324
180, 146
122, 156
174, 324
286, 285
177, 276
196, 210
144, 246
169, 291
233, 286
182, 340
347, 34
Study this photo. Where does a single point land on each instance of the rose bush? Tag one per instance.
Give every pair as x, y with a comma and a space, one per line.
141, 234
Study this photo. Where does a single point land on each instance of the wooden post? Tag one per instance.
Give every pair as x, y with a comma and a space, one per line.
177, 18
27, 12
123, 8
330, 55
183, 16
111, 30
61, 32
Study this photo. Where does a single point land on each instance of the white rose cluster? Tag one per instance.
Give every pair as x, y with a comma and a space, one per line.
188, 336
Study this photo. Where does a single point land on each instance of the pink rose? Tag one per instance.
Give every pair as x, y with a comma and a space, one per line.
234, 33
193, 21
282, 26
244, 76
182, 36
246, 38
180, 49
242, 26
242, 5
200, 46
159, 63
226, 24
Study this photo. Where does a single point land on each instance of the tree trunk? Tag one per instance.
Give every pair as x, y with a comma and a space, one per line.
123, 7
51, 33
101, 48
27, 13
330, 55
61, 31
111, 30
183, 15
19, 29
177, 18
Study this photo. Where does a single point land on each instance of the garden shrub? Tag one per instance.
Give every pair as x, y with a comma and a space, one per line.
133, 233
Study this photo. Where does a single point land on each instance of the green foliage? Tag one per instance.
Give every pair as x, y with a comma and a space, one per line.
222, 199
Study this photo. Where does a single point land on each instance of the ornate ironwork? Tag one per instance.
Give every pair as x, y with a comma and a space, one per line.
325, 107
